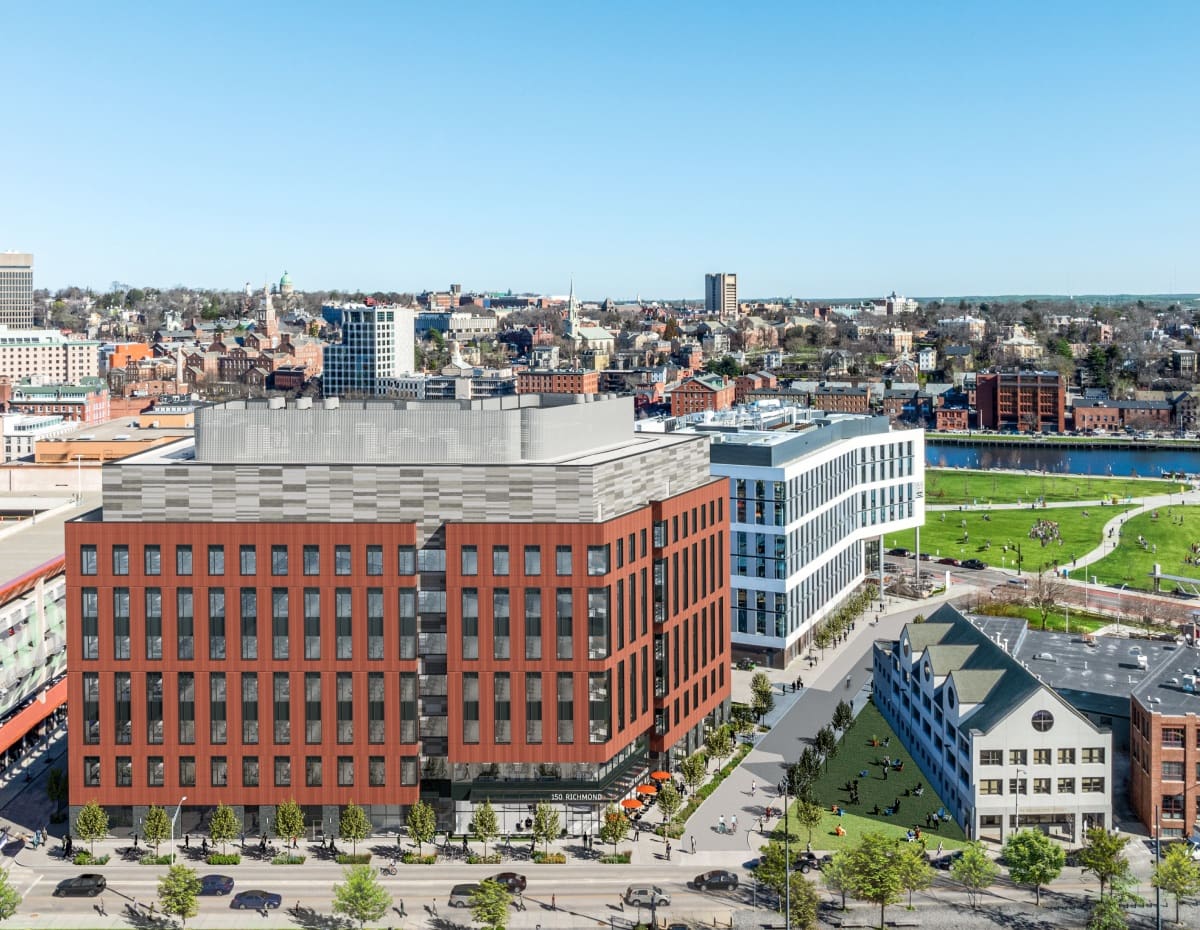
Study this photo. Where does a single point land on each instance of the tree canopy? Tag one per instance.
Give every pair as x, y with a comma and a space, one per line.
178, 890
1033, 859
361, 897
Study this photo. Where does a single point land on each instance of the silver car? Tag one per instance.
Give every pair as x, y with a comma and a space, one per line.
646, 896
460, 895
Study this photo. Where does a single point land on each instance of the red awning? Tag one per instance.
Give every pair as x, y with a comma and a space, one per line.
46, 703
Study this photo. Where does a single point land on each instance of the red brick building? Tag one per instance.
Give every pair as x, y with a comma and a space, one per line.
758, 381
1025, 401
952, 418
558, 381
538, 614
703, 392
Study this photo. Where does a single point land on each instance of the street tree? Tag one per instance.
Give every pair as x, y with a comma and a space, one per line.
916, 874
975, 871
156, 826
826, 744
422, 824
485, 826
91, 824
10, 898
760, 684
808, 814
771, 866
361, 897
835, 874
615, 827
1033, 859
1045, 594
289, 821
489, 904
223, 826
823, 638
1104, 856
873, 868
694, 769
1177, 874
762, 704
804, 902
354, 825
1107, 914
843, 716
669, 802
546, 825
178, 891
718, 743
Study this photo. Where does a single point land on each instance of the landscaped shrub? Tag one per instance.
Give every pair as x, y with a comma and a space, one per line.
621, 858
86, 858
157, 860
223, 859
543, 858
353, 858
288, 859
489, 859
414, 859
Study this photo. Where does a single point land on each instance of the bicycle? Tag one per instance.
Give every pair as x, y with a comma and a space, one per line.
389, 869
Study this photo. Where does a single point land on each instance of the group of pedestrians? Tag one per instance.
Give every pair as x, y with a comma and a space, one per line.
723, 828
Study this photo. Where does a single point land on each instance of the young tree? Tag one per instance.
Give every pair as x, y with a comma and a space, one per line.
669, 802
1177, 875
974, 871
808, 814
1104, 856
10, 899
762, 704
694, 769
760, 683
843, 716
804, 773
1045, 594
546, 825
422, 824
615, 827
804, 902
489, 904
1033, 859
91, 824
360, 897
873, 869
485, 826
771, 866
836, 875
177, 893
718, 744
223, 826
156, 826
354, 825
915, 872
289, 821
826, 744
1107, 914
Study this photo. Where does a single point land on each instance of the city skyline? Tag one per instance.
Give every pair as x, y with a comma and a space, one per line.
920, 149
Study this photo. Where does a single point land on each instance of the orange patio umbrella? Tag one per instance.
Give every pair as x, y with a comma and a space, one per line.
647, 789
660, 775
632, 804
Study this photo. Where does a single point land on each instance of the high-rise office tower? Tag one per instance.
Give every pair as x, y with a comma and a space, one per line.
16, 289
720, 294
378, 342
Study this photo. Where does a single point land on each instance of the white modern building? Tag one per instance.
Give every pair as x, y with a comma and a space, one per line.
811, 497
16, 289
378, 343
1002, 750
21, 432
48, 355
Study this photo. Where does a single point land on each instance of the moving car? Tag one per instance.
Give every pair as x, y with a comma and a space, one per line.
510, 880
460, 895
216, 884
977, 564
718, 878
807, 862
646, 896
901, 552
948, 561
255, 900
89, 884
945, 861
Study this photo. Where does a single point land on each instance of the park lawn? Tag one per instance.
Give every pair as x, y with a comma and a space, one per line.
1132, 564
1056, 620
855, 754
944, 538
964, 486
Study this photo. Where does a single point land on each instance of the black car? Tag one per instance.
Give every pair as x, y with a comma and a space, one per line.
510, 880
87, 885
976, 564
944, 862
719, 878
808, 862
256, 900
901, 552
948, 561
216, 884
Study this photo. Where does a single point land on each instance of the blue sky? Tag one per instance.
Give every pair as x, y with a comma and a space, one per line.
814, 148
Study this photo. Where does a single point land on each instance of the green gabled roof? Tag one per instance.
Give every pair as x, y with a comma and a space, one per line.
945, 659
975, 685
923, 635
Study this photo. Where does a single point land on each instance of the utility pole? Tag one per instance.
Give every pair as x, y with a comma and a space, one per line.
1157, 862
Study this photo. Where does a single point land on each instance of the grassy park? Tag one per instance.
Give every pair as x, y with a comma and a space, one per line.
1167, 540
856, 754
953, 486
944, 535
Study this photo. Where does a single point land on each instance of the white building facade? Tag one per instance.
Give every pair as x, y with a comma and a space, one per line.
1002, 750
21, 432
378, 343
48, 355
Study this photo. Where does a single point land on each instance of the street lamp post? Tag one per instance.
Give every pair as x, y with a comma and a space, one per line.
787, 859
175, 817
1157, 862
1017, 802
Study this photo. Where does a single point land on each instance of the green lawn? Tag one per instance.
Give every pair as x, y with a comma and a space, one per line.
1056, 620
941, 538
1131, 563
855, 754
962, 486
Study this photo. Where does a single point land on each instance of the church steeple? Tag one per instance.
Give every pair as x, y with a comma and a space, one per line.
572, 325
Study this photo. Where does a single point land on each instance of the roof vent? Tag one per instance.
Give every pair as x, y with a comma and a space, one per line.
303, 403
276, 403
331, 403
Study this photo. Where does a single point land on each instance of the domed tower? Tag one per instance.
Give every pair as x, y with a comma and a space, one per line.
285, 285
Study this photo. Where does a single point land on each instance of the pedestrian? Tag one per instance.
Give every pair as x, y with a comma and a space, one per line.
801, 680
187, 840
693, 845
434, 908
103, 911
553, 902
885, 771
753, 787
668, 851
620, 903
403, 912
733, 822
939, 848
135, 845
721, 824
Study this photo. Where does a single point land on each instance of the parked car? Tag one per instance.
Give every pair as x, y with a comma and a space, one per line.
1019, 582
744, 664
216, 884
900, 552
808, 862
646, 896
926, 557
87, 885
510, 880
460, 895
977, 564
718, 878
948, 561
256, 900
944, 862
676, 925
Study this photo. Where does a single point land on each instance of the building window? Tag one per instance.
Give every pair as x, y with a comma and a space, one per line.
249, 623
343, 623
1042, 721
183, 560
406, 560
155, 771
499, 560
470, 686
1172, 806
1066, 756
502, 707
469, 598
312, 623
282, 707
1091, 755
469, 558
1041, 757
562, 560
185, 624
598, 625
154, 708
990, 786
374, 560
248, 559
376, 771
279, 560
501, 622
279, 623
123, 708
250, 771
187, 771
87, 560
91, 707
345, 707
249, 708
1066, 786
533, 560
1017, 757
598, 560
217, 711
1041, 786
283, 772
120, 623
1172, 771
89, 617
533, 623
152, 560
345, 769
312, 771
124, 771
407, 610
312, 707
408, 707
187, 707
216, 623
564, 623
91, 771
153, 598
341, 560
312, 560
1173, 736
599, 706
566, 708
533, 707
216, 560
220, 771
375, 708
1093, 784
1018, 786
408, 771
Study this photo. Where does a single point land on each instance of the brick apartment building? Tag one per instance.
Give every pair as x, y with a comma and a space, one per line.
515, 599
703, 392
839, 399
558, 381
1119, 414
1025, 401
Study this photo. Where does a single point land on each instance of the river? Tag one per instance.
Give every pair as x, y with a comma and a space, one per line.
1042, 456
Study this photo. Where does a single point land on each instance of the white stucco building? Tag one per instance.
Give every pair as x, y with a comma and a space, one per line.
1002, 750
47, 354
